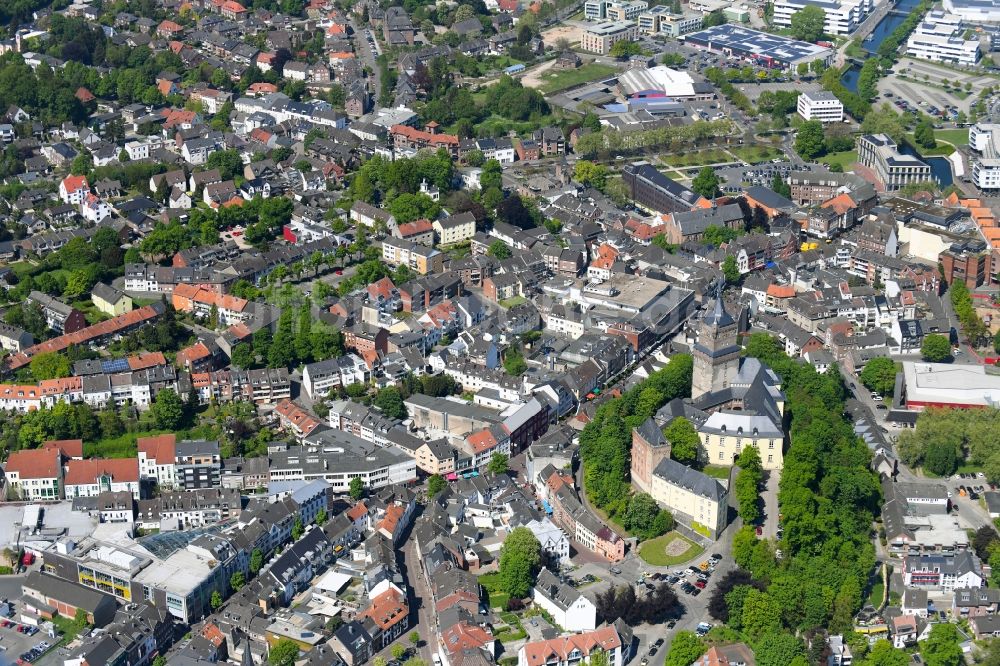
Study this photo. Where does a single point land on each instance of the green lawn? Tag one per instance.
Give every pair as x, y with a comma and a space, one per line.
956, 137
754, 154
556, 81
697, 158
654, 551
496, 597
717, 471
844, 159
877, 593
67, 628
511, 302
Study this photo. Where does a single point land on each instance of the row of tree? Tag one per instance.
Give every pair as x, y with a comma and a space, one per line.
943, 438
605, 448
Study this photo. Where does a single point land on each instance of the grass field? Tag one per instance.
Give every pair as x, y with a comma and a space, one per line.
511, 302
753, 154
844, 159
878, 591
655, 551
556, 81
496, 597
717, 471
956, 137
698, 158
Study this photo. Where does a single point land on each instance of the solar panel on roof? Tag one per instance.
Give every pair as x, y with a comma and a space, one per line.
115, 365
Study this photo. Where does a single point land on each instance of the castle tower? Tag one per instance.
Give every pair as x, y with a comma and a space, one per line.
717, 353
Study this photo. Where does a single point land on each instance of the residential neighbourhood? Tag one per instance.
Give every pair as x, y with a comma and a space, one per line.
516, 332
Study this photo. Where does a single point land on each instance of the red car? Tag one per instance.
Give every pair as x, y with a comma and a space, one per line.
700, 584
760, 530
338, 272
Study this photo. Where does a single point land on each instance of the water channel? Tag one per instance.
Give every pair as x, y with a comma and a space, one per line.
940, 166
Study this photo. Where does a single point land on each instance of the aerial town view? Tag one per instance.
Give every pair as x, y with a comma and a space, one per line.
500, 332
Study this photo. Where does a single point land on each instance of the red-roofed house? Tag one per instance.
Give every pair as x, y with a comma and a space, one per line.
69, 449
196, 358
233, 10
35, 474
84, 95
418, 231
90, 478
198, 300
168, 29
262, 88
296, 418
465, 635
390, 614
406, 137
157, 458
73, 189
573, 649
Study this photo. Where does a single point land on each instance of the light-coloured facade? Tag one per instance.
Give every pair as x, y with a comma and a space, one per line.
984, 142
695, 499
820, 105
940, 37
600, 38
842, 16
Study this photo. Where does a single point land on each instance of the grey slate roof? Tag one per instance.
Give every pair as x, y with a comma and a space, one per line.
690, 479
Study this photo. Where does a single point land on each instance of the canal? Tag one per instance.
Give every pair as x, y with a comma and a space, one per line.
885, 27
940, 166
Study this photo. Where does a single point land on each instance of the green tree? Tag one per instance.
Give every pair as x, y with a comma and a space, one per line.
256, 560
868, 79
283, 653
499, 250
761, 613
924, 134
641, 517
390, 402
491, 176
809, 140
590, 174
50, 365
808, 23
884, 654
435, 485
167, 410
357, 488
160, 660
321, 517
216, 600
879, 375
297, 529
779, 649
414, 639
730, 270
237, 580
684, 440
685, 649
520, 559
942, 646
398, 651
706, 183
514, 363
499, 463
779, 185
625, 49
243, 356
228, 162
936, 348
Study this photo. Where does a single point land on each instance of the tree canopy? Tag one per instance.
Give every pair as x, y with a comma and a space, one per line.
520, 560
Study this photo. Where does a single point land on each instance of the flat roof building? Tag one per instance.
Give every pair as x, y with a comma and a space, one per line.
976, 11
945, 385
842, 16
759, 47
893, 168
601, 37
820, 105
940, 37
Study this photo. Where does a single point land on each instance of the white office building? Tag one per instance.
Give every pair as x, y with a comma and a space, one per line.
984, 142
660, 20
842, 16
820, 105
975, 11
940, 37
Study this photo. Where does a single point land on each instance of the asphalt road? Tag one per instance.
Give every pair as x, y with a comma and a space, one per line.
364, 50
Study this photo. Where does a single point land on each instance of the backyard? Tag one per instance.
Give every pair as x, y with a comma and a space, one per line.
844, 159
670, 549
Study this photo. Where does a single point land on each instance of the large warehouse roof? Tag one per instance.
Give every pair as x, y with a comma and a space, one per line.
671, 82
748, 43
947, 385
